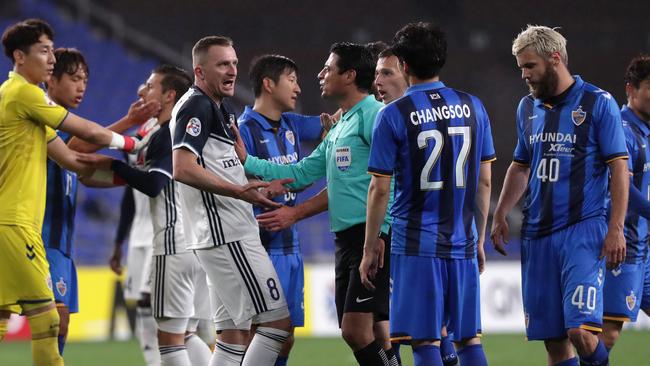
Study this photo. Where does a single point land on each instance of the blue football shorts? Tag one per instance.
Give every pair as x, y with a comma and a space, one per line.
64, 279
291, 273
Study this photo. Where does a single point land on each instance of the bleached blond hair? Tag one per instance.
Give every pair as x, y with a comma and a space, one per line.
543, 40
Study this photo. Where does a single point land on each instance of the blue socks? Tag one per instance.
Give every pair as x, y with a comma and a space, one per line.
448, 352
570, 362
427, 356
281, 361
600, 357
61, 344
472, 355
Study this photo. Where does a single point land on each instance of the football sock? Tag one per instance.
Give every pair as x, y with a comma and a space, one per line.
3, 328
472, 355
570, 362
448, 352
265, 346
146, 332
427, 356
198, 351
600, 357
371, 355
396, 352
61, 343
281, 361
392, 358
175, 355
45, 330
226, 354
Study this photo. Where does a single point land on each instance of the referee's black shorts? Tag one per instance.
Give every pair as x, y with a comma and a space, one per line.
351, 296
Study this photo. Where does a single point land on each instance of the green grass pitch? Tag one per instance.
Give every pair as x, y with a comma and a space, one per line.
633, 349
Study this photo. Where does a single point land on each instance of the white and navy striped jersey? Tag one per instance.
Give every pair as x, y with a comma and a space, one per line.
141, 233
166, 216
201, 126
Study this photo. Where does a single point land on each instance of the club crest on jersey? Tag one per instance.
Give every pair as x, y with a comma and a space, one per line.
578, 116
290, 137
630, 300
61, 287
193, 127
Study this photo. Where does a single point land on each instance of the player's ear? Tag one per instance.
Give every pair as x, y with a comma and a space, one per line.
630, 91
19, 56
169, 96
351, 75
199, 72
267, 85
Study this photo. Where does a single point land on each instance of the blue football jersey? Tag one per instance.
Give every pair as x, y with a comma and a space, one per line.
433, 141
282, 147
567, 147
636, 226
60, 206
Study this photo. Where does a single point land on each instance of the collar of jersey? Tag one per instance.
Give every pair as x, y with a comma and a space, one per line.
424, 86
362, 103
575, 89
17, 76
250, 113
631, 117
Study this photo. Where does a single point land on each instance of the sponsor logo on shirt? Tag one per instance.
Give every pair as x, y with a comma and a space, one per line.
193, 126
230, 163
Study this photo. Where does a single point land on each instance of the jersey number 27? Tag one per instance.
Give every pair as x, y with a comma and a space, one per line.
439, 141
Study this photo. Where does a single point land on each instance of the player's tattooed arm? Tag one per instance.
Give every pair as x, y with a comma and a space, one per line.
514, 187
482, 209
614, 246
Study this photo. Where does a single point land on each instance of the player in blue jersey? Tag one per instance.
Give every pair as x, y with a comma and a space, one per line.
570, 141
436, 143
270, 133
623, 291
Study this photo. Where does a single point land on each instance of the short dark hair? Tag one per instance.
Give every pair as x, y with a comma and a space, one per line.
269, 66
423, 47
68, 61
203, 44
376, 48
357, 57
174, 78
388, 52
638, 70
22, 35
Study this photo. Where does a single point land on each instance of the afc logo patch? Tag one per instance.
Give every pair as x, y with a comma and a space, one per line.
193, 127
290, 137
630, 300
61, 286
578, 116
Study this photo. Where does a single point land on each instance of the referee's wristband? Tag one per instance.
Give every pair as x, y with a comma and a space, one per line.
385, 237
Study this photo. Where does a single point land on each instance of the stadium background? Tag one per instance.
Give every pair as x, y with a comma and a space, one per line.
124, 39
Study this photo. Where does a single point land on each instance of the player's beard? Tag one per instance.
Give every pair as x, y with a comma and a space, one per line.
547, 84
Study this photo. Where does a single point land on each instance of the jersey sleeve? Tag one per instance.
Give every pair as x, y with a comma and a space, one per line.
307, 127
33, 104
609, 129
50, 134
193, 125
521, 154
303, 173
487, 150
383, 150
247, 137
631, 148
159, 153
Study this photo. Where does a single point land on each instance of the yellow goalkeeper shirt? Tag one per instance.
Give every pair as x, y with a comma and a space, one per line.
27, 122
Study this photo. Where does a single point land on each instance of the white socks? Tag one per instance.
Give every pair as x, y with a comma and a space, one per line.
174, 356
265, 346
227, 354
198, 351
146, 331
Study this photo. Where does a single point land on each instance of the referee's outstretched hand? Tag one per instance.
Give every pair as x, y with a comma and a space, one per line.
250, 193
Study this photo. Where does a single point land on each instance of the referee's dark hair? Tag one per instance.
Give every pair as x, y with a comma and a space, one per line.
638, 70
423, 47
357, 57
269, 66
203, 44
22, 35
68, 61
174, 78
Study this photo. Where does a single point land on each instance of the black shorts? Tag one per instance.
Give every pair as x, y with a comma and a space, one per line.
351, 296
